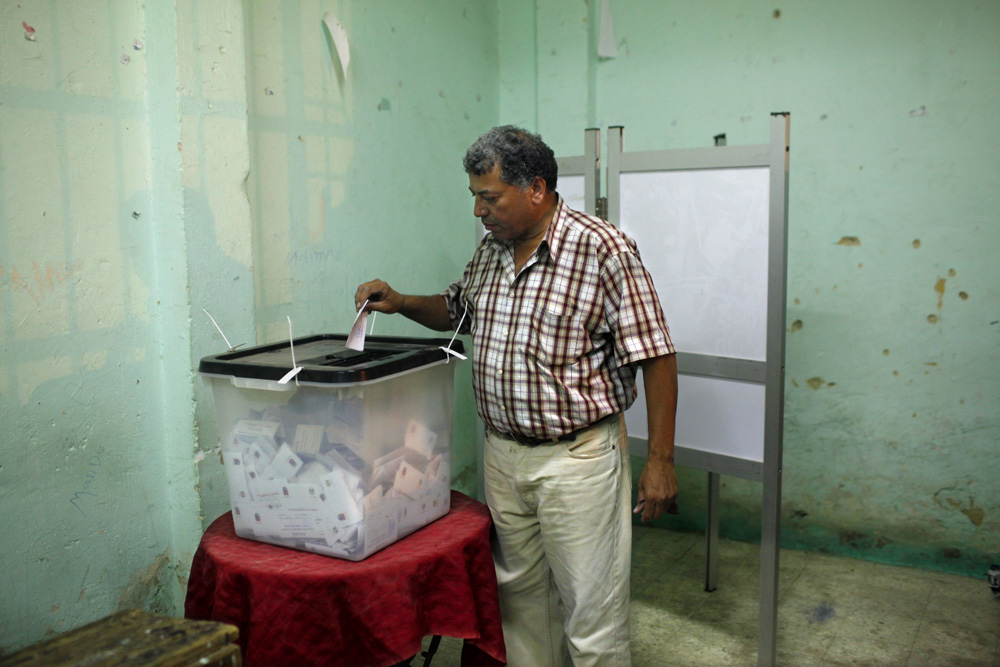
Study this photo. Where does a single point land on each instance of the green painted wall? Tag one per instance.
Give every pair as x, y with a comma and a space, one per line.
161, 159
893, 341
98, 512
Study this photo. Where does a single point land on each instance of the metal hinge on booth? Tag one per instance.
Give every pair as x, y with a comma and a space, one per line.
602, 208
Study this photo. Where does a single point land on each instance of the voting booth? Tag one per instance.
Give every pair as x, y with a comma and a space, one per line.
711, 224
344, 458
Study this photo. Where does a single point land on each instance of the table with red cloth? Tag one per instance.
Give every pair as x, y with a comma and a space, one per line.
299, 608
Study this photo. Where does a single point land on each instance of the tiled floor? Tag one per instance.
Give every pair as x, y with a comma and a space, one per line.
831, 610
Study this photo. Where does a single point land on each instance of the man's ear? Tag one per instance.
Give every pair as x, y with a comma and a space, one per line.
538, 190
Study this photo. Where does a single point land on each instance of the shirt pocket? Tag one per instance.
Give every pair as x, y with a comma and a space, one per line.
557, 337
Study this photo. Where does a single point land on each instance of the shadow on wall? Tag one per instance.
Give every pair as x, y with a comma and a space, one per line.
223, 287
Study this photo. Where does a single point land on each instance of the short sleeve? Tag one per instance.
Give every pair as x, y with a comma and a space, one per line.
633, 311
459, 309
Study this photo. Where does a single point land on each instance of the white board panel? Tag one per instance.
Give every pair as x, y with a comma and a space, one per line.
713, 415
703, 235
571, 188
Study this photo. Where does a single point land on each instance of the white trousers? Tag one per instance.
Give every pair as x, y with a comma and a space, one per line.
564, 546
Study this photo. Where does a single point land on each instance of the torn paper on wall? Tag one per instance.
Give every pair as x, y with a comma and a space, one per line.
339, 37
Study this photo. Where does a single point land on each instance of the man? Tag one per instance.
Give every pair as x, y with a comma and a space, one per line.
562, 313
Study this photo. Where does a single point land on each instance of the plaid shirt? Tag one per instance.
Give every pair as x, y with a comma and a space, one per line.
555, 347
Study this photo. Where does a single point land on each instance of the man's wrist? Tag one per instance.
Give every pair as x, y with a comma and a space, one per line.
658, 456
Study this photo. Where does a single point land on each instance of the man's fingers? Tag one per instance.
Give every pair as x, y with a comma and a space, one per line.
371, 291
651, 510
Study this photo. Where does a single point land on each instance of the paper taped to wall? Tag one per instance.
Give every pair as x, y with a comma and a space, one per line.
339, 37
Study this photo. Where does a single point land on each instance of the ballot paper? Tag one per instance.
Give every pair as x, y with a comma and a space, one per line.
372, 500
298, 524
337, 551
350, 537
409, 480
339, 502
420, 439
382, 527
300, 514
385, 473
243, 519
264, 490
255, 427
431, 503
356, 338
433, 468
308, 438
265, 434
285, 465
343, 432
311, 472
265, 521
346, 457
333, 460
259, 454
236, 475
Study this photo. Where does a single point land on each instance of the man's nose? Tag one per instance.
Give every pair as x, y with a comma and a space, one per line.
479, 209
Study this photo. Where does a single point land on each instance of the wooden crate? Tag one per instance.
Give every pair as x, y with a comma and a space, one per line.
135, 638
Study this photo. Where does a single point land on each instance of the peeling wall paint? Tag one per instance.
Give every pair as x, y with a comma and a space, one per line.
149, 587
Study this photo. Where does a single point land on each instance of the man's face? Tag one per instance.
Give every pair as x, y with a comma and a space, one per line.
504, 209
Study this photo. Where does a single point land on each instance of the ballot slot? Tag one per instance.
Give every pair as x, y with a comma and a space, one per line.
352, 458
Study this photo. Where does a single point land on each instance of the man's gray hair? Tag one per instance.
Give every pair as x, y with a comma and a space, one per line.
522, 156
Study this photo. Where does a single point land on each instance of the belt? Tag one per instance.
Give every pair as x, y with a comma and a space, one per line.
531, 441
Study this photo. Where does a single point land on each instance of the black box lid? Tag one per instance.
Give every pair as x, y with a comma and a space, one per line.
326, 359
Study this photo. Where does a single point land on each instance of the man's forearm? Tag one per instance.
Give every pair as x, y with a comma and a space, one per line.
377, 296
430, 311
658, 481
660, 384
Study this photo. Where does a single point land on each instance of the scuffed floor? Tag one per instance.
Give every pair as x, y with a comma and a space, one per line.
831, 611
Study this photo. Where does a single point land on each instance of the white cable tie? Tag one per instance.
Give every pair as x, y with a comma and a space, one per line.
231, 348
295, 367
289, 375
448, 349
454, 353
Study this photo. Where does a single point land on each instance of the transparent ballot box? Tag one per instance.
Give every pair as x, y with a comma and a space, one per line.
349, 455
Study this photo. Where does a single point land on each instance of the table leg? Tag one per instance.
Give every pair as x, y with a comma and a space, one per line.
431, 650
712, 533
427, 655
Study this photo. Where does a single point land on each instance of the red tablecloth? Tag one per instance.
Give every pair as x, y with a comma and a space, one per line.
295, 608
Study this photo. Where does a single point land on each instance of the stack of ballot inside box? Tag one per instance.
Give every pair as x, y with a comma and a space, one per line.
347, 457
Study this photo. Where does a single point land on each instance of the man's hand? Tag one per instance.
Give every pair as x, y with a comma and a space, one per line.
380, 297
430, 311
657, 489
658, 482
